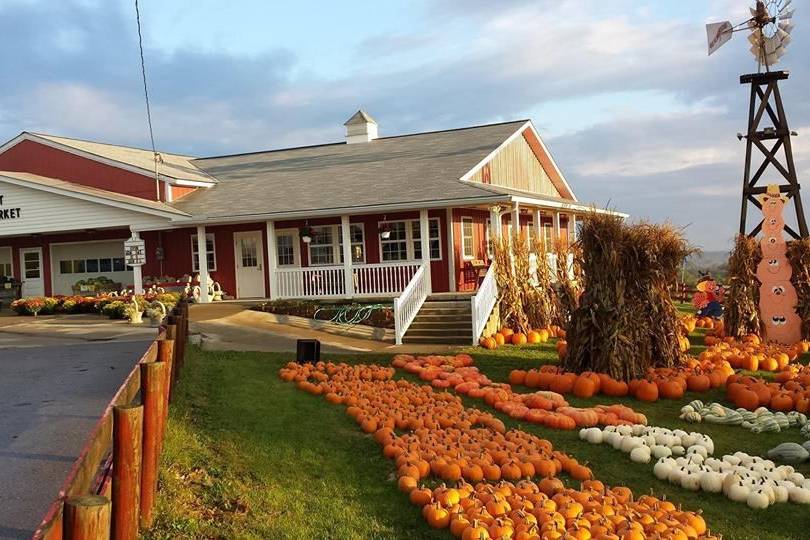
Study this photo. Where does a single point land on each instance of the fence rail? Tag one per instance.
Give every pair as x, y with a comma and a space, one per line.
408, 304
119, 463
483, 302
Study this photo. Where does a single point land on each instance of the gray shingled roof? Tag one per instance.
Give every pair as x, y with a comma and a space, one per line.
387, 171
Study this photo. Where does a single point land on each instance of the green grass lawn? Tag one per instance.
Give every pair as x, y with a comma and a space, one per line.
248, 456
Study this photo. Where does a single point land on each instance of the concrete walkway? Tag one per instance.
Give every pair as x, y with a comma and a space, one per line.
68, 329
233, 327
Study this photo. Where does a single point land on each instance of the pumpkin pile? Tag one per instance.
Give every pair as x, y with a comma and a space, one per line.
671, 383
644, 443
751, 393
547, 408
507, 336
491, 492
751, 354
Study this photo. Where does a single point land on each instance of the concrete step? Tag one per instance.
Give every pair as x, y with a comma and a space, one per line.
456, 324
467, 340
459, 311
455, 304
449, 297
439, 332
443, 318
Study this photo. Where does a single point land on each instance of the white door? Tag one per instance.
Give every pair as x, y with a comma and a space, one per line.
249, 264
33, 284
287, 248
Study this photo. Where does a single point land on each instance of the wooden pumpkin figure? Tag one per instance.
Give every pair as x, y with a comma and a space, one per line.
777, 296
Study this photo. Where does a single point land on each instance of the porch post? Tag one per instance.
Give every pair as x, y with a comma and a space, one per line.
538, 225
515, 220
572, 227
202, 257
495, 222
272, 259
424, 240
451, 252
556, 227
345, 233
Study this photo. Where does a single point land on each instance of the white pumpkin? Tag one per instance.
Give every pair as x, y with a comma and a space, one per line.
691, 481
711, 481
640, 454
663, 467
757, 499
659, 451
739, 492
799, 495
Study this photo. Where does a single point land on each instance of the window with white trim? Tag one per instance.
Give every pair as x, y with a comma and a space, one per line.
326, 246
433, 238
210, 253
467, 238
321, 248
405, 241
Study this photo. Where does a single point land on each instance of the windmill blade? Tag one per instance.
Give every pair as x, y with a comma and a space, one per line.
787, 15
755, 38
786, 27
718, 34
783, 37
785, 6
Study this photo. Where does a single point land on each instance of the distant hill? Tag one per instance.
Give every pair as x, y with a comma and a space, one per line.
713, 262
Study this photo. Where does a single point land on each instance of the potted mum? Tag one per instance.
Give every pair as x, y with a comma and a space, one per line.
385, 231
306, 234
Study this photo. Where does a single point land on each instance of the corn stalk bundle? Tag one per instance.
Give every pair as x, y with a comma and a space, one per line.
539, 297
566, 286
741, 310
510, 287
798, 253
626, 321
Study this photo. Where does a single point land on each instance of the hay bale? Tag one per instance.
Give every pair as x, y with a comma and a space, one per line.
626, 321
741, 312
798, 253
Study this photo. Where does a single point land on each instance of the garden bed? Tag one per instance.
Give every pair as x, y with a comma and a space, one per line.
378, 315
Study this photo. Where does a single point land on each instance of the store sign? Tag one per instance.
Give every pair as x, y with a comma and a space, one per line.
7, 213
135, 252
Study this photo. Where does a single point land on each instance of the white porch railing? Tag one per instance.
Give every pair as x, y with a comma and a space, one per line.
382, 278
483, 302
310, 282
408, 304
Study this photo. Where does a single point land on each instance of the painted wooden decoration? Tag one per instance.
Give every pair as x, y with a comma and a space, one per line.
777, 296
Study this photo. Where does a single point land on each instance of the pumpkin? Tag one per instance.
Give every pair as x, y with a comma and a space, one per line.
646, 391
518, 338
499, 339
533, 337
584, 387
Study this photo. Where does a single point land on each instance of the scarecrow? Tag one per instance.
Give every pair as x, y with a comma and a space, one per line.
708, 298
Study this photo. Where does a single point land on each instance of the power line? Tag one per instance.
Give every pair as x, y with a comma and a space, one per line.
146, 96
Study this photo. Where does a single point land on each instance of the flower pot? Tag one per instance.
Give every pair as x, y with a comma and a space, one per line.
385, 235
306, 239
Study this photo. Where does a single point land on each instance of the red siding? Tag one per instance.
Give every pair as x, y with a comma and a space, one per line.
466, 276
36, 158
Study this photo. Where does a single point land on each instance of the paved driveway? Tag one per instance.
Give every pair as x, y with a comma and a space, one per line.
53, 388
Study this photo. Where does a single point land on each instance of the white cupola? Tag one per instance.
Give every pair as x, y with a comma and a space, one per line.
360, 128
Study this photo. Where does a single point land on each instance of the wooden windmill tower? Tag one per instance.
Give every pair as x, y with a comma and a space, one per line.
768, 132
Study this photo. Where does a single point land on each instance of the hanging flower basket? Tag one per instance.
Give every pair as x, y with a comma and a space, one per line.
385, 231
305, 233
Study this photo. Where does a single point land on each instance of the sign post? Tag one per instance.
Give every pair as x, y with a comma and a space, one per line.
135, 256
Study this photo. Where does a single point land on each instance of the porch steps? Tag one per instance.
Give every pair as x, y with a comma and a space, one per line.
445, 318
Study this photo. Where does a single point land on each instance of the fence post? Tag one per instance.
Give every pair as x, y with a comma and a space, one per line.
87, 518
153, 380
166, 353
126, 474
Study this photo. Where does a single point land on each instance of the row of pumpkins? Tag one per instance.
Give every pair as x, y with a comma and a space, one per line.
546, 408
670, 383
750, 354
685, 459
457, 439
507, 336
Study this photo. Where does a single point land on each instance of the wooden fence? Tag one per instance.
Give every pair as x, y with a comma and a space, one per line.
683, 292
110, 490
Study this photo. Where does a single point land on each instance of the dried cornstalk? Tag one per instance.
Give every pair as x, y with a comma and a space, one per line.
566, 286
741, 310
540, 300
798, 253
509, 286
626, 321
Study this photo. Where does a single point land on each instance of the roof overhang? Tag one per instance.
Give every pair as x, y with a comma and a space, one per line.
563, 205
336, 211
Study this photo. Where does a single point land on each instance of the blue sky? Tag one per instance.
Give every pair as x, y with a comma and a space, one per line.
636, 114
